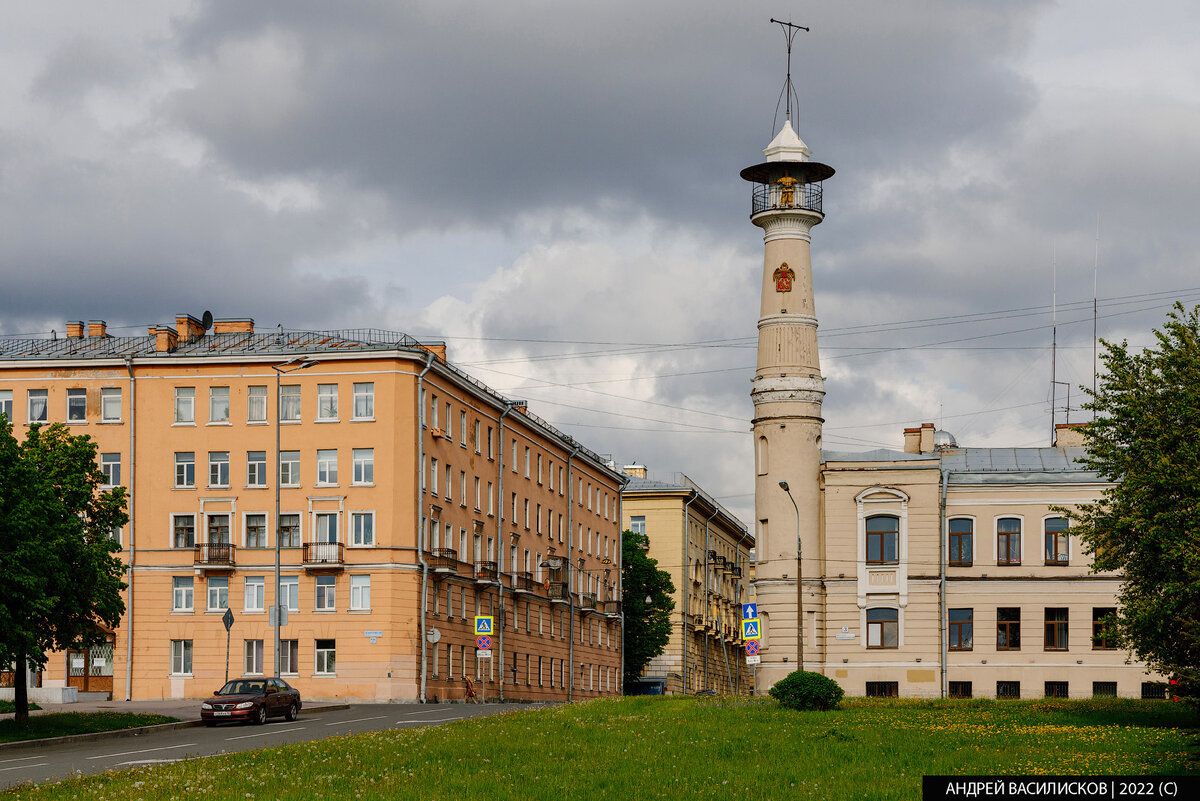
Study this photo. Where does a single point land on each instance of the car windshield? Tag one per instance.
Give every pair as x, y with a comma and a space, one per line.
243, 688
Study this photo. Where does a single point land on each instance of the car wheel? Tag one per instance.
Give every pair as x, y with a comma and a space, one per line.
293, 711
260, 717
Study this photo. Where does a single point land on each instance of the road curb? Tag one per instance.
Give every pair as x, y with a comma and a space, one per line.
136, 731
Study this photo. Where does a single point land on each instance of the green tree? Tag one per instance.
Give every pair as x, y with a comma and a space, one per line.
648, 604
1146, 438
60, 577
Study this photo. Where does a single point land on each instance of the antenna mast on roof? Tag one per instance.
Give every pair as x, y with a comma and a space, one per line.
789, 91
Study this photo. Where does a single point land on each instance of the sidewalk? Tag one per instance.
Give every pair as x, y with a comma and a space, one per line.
182, 708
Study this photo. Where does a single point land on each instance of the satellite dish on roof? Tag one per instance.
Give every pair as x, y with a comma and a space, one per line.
206, 320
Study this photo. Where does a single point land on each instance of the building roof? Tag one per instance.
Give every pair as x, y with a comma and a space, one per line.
877, 455
681, 483
989, 465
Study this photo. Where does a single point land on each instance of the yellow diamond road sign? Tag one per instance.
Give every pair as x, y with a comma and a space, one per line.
483, 624
751, 630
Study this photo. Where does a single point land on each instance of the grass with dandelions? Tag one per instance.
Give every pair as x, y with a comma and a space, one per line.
688, 748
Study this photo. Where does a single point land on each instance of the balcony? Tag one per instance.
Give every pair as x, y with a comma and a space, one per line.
486, 573
324, 556
611, 608
214, 556
697, 623
773, 197
558, 593
444, 562
523, 584
587, 601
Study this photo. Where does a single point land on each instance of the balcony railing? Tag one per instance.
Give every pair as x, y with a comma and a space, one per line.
523, 582
214, 554
611, 607
485, 572
587, 600
324, 553
444, 560
558, 591
772, 197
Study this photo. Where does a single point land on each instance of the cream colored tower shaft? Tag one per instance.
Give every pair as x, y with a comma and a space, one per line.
787, 394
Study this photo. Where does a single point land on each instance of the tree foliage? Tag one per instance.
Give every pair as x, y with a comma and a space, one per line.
647, 625
1146, 438
60, 577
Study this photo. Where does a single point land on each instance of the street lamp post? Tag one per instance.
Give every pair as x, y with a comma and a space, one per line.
783, 485
299, 363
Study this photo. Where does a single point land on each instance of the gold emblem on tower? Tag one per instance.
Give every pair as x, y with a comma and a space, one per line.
783, 277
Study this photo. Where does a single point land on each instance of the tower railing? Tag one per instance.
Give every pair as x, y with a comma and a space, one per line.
773, 197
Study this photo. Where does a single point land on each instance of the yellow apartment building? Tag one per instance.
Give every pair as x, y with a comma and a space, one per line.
707, 551
411, 498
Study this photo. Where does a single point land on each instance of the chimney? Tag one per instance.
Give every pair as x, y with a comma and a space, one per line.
166, 339
188, 328
97, 328
1069, 435
919, 440
927, 437
635, 470
438, 349
233, 326
74, 329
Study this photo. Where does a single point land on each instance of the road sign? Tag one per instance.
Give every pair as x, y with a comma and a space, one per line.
754, 660
227, 619
752, 648
483, 642
751, 630
482, 654
483, 624
749, 611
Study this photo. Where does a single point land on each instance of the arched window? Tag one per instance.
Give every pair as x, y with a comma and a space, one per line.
1008, 541
762, 456
1056, 541
883, 540
962, 536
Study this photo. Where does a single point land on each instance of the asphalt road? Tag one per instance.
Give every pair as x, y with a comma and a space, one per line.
62, 760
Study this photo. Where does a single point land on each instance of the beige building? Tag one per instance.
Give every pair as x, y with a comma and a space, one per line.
707, 552
404, 497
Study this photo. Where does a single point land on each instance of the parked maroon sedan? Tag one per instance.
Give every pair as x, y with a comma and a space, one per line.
254, 700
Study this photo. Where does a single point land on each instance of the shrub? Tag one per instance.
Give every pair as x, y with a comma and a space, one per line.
804, 690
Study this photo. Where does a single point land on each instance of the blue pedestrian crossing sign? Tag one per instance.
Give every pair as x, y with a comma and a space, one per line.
749, 611
483, 624
751, 630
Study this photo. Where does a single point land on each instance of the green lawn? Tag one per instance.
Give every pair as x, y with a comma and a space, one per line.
9, 706
63, 723
688, 749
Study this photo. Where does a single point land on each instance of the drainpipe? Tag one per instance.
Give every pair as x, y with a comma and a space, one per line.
132, 479
687, 580
707, 596
570, 596
942, 638
421, 522
500, 556
621, 575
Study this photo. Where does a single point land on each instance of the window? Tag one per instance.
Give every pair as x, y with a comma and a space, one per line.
326, 592
491, 444
6, 403
254, 657
883, 628
364, 465
289, 468
255, 600
327, 527
449, 423
478, 494
1104, 621
327, 471
362, 528
962, 535
256, 404
961, 624
289, 592
256, 468
256, 531
182, 593
218, 468
1154, 691
761, 455
527, 465
433, 475
326, 651
327, 401
1056, 541
491, 501
218, 529
218, 593
185, 469
1057, 689
1008, 541
181, 657
883, 689
289, 403
514, 455
364, 401
637, 524
1008, 689
462, 429
1104, 689
289, 531
110, 405
1056, 628
110, 466
462, 488
289, 656
38, 401
960, 689
360, 592
76, 405
185, 531
1008, 628
475, 436
218, 405
883, 535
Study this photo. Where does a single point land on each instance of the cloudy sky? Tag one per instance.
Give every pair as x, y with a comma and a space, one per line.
552, 188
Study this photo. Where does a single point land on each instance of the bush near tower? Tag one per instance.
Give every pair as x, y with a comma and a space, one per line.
805, 690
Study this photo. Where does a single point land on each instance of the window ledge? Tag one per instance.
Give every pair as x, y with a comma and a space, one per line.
324, 676
327, 420
325, 611
362, 419
362, 484
216, 611
290, 422
254, 611
77, 422
183, 611
218, 423
180, 675
256, 422
184, 488
360, 611
184, 423
255, 486
110, 422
